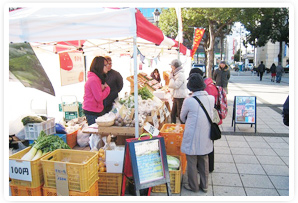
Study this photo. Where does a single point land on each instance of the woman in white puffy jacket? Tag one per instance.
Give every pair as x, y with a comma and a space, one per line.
178, 85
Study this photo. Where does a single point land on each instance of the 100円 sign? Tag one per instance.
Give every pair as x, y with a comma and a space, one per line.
20, 170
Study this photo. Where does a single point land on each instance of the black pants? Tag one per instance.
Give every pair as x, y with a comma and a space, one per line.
261, 75
211, 160
177, 105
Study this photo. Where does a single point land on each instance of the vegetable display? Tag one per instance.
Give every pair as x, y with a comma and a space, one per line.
44, 143
33, 119
145, 93
173, 162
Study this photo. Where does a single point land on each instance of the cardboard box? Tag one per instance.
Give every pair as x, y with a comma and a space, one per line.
114, 160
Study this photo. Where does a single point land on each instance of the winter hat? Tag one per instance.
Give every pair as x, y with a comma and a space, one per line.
176, 63
195, 82
223, 62
196, 70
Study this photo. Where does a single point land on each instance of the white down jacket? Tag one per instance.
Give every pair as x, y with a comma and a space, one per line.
196, 138
178, 85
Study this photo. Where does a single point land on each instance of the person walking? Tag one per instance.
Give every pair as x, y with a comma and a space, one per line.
273, 72
115, 82
261, 69
196, 142
222, 76
279, 71
178, 85
96, 89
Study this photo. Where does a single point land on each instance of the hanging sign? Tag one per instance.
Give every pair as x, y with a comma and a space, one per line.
161, 115
155, 120
166, 111
71, 68
61, 179
198, 35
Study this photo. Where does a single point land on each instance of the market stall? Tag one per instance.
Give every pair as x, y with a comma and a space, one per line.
46, 27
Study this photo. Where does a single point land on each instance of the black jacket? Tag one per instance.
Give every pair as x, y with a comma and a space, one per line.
115, 81
261, 68
222, 76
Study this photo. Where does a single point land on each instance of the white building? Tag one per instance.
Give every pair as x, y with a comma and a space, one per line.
269, 54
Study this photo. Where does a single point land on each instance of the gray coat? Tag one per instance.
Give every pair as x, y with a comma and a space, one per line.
196, 137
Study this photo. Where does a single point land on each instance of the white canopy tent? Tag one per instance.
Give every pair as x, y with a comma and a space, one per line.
46, 26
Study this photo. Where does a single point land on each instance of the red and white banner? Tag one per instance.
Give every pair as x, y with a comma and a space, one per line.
71, 68
199, 33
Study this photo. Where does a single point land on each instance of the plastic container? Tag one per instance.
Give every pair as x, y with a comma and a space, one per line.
32, 130
36, 171
81, 167
109, 184
71, 139
17, 190
175, 182
173, 142
93, 191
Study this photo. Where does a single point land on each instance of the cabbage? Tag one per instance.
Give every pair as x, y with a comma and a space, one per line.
173, 162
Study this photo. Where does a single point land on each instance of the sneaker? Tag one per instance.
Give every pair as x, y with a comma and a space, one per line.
187, 187
204, 190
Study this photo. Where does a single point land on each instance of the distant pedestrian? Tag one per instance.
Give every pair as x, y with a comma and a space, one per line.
179, 90
222, 75
261, 70
279, 71
273, 72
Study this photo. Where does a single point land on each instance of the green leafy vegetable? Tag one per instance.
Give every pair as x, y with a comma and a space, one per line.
145, 93
173, 162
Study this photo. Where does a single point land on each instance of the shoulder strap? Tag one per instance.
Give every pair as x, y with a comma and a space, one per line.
198, 100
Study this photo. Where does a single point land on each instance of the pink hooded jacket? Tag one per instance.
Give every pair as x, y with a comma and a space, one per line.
94, 95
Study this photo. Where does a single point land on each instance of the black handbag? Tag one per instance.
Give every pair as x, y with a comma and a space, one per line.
215, 133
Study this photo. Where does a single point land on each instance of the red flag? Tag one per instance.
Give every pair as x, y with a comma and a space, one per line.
199, 32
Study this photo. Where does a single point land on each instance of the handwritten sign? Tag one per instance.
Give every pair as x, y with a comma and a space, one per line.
20, 170
166, 111
151, 129
61, 179
161, 115
149, 161
155, 120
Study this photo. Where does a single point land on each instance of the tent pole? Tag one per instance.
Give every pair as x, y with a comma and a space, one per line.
136, 86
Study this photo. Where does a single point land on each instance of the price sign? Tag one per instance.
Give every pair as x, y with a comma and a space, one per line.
151, 129
61, 179
155, 120
166, 111
20, 170
161, 114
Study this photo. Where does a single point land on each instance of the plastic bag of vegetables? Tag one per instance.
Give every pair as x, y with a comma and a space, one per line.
173, 163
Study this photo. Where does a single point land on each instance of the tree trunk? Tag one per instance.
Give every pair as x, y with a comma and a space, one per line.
210, 51
280, 53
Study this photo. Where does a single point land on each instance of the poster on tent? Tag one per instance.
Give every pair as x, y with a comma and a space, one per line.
25, 67
71, 68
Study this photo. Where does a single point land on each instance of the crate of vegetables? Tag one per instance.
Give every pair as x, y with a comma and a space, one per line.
175, 176
81, 168
25, 167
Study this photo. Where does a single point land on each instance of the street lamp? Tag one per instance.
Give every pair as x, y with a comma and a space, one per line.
156, 14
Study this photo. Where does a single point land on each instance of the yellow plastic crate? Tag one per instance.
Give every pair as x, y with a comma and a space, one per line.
81, 168
17, 190
175, 182
93, 191
109, 184
36, 170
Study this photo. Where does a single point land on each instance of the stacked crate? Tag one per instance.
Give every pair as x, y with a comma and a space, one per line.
20, 185
81, 170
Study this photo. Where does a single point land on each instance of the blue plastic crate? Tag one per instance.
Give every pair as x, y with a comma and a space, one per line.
62, 136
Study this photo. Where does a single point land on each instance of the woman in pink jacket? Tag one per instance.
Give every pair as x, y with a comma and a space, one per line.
96, 89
